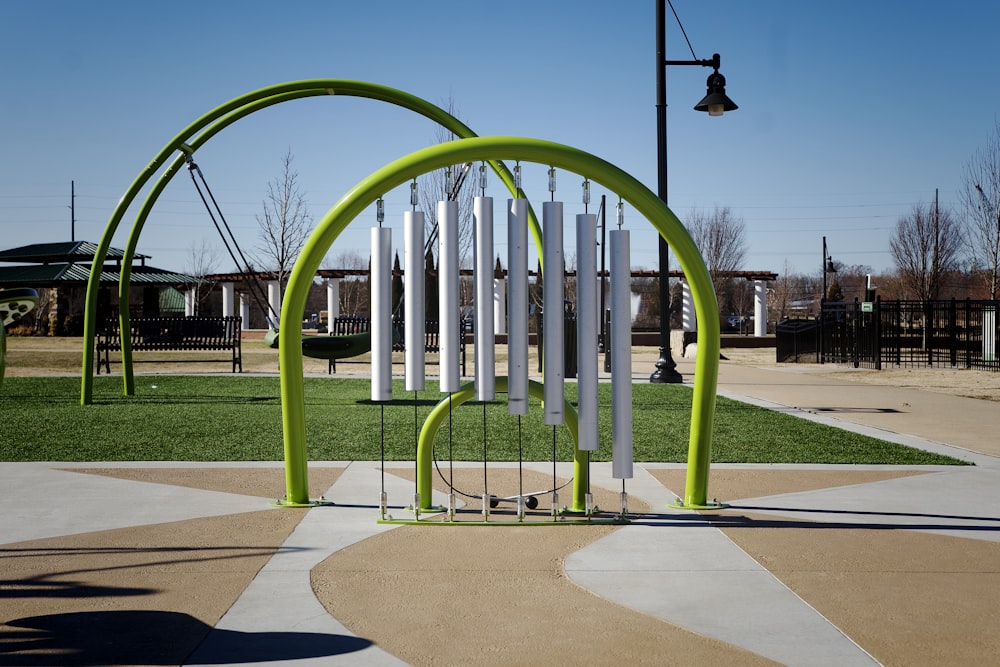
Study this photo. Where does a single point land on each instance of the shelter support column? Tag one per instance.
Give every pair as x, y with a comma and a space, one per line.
759, 308
332, 300
245, 310
499, 306
689, 321
228, 299
274, 296
190, 300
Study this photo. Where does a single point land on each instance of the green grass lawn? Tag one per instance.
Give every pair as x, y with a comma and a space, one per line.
209, 418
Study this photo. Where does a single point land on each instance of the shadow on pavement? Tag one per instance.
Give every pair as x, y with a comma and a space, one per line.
153, 638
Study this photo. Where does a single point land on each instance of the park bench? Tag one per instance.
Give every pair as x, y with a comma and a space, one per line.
174, 334
346, 325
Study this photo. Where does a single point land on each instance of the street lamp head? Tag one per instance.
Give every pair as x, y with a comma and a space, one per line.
716, 101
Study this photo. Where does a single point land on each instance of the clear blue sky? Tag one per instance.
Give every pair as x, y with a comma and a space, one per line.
850, 112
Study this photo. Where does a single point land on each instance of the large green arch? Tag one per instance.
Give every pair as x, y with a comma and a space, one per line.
190, 139
501, 148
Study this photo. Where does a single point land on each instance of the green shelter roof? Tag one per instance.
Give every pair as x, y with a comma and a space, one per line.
66, 252
47, 275
68, 263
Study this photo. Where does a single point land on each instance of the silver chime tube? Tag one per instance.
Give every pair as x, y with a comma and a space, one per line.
517, 306
586, 330
449, 328
381, 313
482, 213
621, 356
414, 316
553, 361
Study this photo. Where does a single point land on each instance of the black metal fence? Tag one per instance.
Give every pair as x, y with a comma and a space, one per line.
955, 333
797, 341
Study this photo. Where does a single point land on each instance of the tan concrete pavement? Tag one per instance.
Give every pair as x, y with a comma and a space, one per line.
172, 563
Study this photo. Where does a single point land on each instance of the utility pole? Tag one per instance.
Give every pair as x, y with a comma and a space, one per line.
934, 288
72, 211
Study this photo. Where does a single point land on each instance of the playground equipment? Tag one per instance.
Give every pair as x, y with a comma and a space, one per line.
14, 304
497, 149
317, 347
328, 347
185, 144
491, 152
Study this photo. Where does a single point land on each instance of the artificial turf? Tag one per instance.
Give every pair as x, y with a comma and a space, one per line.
226, 418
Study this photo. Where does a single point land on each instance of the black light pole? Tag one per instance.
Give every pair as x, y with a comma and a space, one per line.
715, 103
828, 267
827, 261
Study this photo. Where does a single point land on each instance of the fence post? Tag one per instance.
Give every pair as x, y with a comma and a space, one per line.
968, 332
898, 343
953, 333
856, 346
822, 329
877, 326
929, 332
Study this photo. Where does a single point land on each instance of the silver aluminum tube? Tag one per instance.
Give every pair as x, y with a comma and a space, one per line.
553, 294
586, 330
448, 277
621, 356
485, 340
414, 316
381, 313
517, 306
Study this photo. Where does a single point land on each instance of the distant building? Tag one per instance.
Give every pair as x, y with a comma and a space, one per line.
60, 272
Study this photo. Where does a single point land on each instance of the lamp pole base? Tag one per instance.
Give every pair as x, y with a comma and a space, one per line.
666, 370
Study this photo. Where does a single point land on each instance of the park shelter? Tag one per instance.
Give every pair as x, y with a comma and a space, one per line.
60, 271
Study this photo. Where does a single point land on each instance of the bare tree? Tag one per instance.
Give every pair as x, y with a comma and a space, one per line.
353, 289
721, 239
788, 295
202, 261
926, 247
454, 182
284, 223
980, 201
848, 281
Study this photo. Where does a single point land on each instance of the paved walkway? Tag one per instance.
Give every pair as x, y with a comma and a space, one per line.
714, 582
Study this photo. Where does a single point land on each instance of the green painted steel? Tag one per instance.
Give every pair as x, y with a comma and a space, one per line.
600, 171
425, 442
178, 163
15, 303
189, 140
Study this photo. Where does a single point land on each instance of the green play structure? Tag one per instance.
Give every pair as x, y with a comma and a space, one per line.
524, 150
468, 149
182, 146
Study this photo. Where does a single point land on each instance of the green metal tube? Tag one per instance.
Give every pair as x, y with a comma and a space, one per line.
432, 424
229, 113
124, 317
581, 480
398, 172
154, 194
100, 255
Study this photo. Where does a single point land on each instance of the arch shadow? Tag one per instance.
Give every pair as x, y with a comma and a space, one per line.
154, 638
